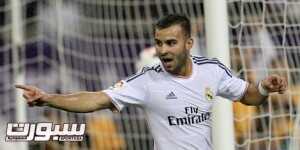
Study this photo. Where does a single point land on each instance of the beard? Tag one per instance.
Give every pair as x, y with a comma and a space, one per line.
175, 64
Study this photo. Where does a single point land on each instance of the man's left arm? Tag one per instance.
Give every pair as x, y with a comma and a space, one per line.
257, 94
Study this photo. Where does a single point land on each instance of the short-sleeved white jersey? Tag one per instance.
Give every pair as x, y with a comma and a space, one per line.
178, 110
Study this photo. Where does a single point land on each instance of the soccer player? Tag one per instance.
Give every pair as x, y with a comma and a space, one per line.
177, 94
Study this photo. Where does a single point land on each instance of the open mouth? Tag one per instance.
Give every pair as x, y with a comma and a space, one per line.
166, 60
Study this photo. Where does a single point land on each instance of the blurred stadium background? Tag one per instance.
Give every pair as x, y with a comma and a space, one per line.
70, 45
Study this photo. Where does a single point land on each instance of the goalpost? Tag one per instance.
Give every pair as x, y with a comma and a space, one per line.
18, 73
217, 37
90, 44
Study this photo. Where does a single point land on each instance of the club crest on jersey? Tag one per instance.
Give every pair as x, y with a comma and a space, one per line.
209, 95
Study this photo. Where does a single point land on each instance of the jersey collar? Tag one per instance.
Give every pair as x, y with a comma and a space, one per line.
178, 78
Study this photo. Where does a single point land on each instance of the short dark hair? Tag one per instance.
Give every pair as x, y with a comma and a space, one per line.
174, 19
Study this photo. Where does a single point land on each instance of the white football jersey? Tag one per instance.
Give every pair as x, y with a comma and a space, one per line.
178, 110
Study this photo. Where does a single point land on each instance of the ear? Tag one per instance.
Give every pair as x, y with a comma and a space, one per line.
189, 43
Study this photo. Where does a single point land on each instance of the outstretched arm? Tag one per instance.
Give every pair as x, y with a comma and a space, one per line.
256, 95
75, 102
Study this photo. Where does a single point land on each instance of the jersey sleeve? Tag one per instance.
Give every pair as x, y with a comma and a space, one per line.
131, 91
230, 86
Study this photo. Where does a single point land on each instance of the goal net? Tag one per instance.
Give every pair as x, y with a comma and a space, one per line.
72, 45
265, 39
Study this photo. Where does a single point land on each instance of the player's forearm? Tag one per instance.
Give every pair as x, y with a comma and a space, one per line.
78, 102
252, 96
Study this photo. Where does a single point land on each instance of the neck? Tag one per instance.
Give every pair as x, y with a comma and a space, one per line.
186, 69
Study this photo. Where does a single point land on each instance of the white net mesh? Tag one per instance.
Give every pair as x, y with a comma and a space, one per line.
73, 45
265, 39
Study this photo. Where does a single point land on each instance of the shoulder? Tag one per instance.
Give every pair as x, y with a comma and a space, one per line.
201, 60
145, 72
211, 63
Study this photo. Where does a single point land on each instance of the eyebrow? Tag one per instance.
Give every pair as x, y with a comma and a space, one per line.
168, 40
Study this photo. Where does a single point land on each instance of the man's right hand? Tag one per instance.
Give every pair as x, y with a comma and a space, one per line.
81, 102
33, 95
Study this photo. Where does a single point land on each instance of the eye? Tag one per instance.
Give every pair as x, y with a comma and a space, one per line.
171, 42
158, 43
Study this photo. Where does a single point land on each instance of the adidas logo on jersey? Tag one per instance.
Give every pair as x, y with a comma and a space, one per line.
171, 96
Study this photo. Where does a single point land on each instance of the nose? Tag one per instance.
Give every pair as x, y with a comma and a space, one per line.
162, 50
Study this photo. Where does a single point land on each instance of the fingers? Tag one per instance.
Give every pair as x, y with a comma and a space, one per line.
31, 94
275, 83
30, 104
274, 80
283, 86
23, 87
33, 101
